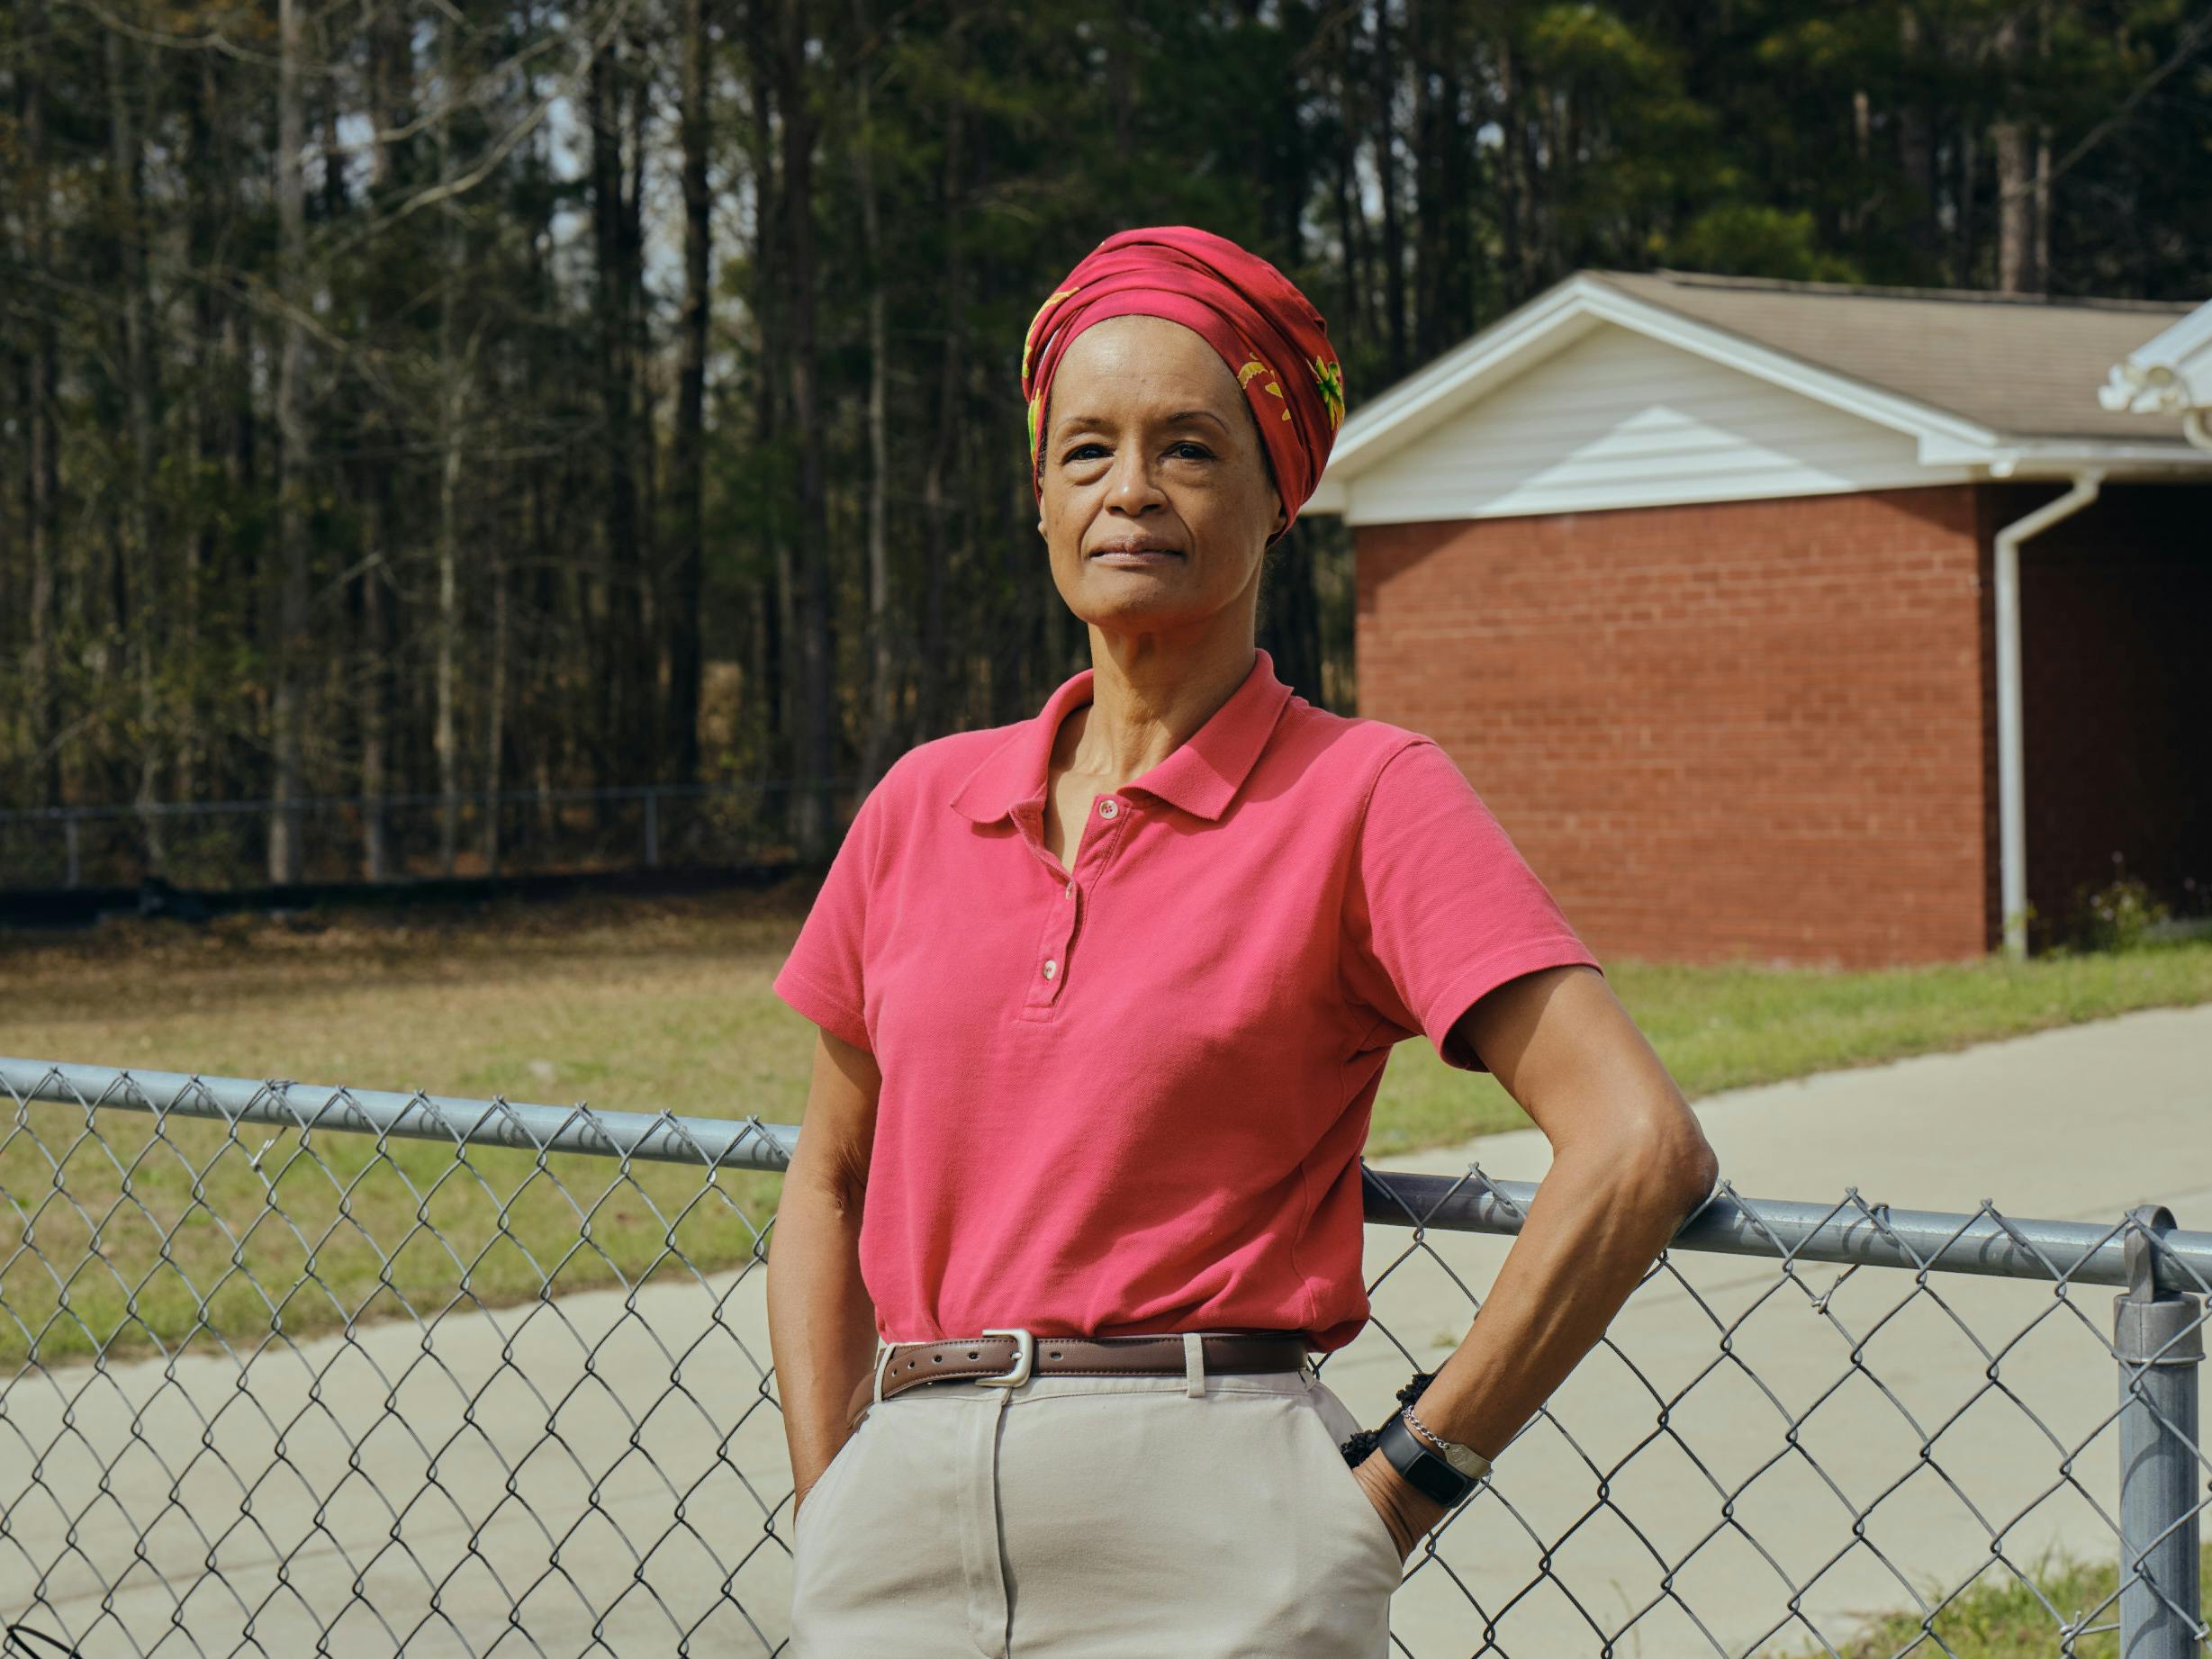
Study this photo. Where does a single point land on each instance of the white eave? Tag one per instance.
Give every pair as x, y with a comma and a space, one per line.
1574, 308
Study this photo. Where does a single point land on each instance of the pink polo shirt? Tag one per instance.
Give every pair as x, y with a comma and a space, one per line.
1131, 1097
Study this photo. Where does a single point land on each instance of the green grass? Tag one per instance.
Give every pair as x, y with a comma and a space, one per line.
1729, 1027
636, 1006
2000, 1617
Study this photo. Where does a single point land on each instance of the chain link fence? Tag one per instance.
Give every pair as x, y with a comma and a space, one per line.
296, 1369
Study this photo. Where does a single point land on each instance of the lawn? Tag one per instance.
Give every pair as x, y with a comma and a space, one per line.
2004, 1618
636, 1005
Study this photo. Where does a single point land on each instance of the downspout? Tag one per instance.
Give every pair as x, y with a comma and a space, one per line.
2012, 758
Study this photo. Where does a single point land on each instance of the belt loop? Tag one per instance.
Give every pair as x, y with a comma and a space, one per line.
1194, 1364
883, 1358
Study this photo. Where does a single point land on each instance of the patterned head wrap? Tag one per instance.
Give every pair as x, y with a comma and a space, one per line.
1270, 336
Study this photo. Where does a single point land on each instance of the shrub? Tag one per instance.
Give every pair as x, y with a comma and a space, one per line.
2116, 915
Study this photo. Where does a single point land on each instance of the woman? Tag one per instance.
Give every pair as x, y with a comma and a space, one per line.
1103, 997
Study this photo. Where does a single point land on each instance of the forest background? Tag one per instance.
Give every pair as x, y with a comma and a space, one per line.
410, 399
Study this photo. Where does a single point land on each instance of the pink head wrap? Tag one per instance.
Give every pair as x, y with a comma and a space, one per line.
1270, 335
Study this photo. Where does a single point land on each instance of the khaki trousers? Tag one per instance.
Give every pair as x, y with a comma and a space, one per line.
1210, 1517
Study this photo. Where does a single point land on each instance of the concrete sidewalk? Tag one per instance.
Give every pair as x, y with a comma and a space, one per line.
2078, 1123
584, 1479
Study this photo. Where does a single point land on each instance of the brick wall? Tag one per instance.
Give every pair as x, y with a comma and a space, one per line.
1749, 730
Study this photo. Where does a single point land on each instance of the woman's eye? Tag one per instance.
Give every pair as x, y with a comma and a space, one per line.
1186, 450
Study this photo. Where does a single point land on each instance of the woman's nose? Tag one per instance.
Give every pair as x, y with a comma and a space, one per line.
1133, 483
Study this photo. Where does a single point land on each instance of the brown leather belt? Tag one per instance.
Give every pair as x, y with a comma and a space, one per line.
1007, 1358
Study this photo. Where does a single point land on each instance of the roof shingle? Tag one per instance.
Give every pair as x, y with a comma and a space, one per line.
2023, 365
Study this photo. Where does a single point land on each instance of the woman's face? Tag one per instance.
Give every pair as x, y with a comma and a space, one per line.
1157, 504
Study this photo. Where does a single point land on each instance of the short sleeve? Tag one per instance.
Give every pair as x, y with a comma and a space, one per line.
1439, 907
824, 976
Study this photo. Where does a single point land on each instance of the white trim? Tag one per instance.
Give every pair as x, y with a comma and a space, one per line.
1569, 310
2063, 457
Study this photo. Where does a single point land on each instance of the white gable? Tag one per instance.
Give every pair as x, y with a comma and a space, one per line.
1617, 418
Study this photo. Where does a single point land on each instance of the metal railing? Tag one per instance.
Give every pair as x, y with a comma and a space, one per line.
297, 1369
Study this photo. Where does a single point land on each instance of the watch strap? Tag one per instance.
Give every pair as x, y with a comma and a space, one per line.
1427, 1472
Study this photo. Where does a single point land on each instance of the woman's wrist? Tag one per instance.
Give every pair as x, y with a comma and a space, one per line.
1421, 1430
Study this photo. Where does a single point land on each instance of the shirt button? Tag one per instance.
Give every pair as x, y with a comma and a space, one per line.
1051, 967
1071, 889
1109, 807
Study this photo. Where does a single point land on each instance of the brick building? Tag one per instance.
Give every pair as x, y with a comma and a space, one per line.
1795, 622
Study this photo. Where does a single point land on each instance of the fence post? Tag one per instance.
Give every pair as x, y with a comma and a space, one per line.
653, 828
2158, 1338
68, 840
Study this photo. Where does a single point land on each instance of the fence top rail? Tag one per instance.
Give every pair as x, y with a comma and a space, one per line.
1852, 1232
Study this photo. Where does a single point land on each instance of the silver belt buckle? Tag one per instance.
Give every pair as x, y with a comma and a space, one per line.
1024, 1356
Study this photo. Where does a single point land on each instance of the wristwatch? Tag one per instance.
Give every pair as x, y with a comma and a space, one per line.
1447, 1476
1460, 1455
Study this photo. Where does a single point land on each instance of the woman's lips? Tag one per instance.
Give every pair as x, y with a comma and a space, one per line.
1135, 555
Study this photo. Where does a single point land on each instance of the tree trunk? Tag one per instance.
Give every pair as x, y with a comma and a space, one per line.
690, 483
287, 712
1916, 142
877, 742
1513, 184
42, 478
613, 630
2016, 206
1962, 238
935, 713
1431, 209
445, 738
1348, 326
390, 93
141, 566
772, 677
2042, 256
641, 572
495, 713
817, 757
1387, 169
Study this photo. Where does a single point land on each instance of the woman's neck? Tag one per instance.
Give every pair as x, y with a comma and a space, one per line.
1147, 702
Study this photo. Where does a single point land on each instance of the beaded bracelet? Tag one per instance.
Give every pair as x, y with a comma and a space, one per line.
1355, 1449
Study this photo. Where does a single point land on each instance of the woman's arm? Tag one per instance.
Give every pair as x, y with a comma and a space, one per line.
821, 1325
1629, 1163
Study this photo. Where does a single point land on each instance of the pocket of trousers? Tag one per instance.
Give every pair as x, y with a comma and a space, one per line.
1347, 1485
824, 1483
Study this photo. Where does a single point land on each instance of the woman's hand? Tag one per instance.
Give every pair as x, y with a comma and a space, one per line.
1406, 1509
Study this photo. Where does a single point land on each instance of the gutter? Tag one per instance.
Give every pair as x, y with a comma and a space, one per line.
2011, 760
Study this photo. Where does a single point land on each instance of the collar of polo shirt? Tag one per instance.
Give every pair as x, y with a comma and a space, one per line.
1201, 776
